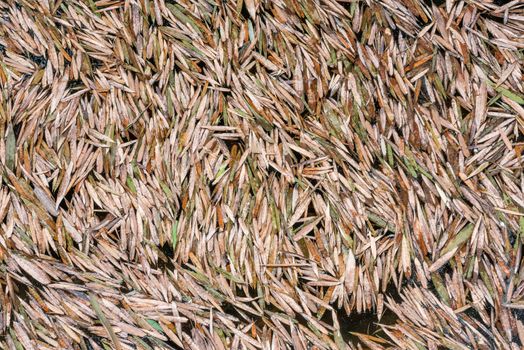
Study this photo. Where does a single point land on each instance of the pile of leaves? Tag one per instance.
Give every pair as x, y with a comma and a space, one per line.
252, 174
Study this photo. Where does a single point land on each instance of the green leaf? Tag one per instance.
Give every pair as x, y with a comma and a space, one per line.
505, 92
18, 345
380, 222
411, 165
96, 307
131, 184
440, 288
511, 95
174, 235
166, 189
178, 12
221, 171
161, 344
10, 148
439, 85
93, 7
156, 326
229, 275
390, 155
458, 240
339, 341
142, 343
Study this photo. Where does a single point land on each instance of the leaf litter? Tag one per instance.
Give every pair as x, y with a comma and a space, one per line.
261, 174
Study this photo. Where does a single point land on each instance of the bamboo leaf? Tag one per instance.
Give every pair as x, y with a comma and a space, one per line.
174, 235
10, 148
155, 325
96, 307
458, 240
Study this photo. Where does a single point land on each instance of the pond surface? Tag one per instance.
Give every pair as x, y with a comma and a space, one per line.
365, 323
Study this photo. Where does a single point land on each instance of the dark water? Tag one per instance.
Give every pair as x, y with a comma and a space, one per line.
365, 323
368, 323
436, 2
